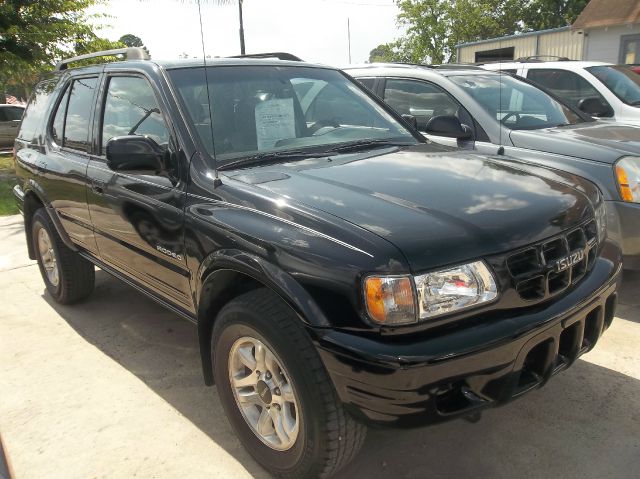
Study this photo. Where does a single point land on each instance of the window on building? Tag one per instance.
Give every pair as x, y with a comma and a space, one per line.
498, 54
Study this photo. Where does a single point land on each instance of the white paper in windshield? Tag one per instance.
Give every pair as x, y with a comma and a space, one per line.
275, 120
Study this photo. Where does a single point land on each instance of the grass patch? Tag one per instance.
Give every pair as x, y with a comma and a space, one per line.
7, 181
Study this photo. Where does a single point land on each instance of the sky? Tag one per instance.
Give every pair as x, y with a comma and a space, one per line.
315, 30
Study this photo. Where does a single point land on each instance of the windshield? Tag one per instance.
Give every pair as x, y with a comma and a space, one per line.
515, 103
265, 109
621, 80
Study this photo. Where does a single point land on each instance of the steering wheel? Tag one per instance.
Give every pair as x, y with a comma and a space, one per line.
509, 115
322, 123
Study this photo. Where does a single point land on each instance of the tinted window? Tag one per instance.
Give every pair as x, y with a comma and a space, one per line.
76, 126
420, 99
368, 82
36, 110
567, 85
57, 128
622, 81
130, 108
258, 109
11, 113
515, 103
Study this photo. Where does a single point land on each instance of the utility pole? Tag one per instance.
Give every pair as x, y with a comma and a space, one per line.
242, 50
349, 37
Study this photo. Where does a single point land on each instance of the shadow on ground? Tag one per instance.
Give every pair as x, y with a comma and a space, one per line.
584, 423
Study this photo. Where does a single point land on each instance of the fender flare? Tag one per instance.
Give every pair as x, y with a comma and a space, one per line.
224, 262
34, 188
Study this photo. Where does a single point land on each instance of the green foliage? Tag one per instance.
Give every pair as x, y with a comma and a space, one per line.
7, 181
131, 40
434, 27
34, 35
543, 14
382, 53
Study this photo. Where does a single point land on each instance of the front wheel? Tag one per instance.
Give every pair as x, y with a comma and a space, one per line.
276, 392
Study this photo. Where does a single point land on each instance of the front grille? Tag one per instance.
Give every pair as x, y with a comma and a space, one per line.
552, 266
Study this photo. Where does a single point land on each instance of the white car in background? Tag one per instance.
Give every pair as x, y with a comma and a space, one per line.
599, 89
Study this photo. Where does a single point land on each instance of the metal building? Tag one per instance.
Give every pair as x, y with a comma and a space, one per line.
606, 30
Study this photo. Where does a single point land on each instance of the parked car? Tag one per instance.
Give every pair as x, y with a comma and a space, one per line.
340, 269
505, 115
10, 117
599, 89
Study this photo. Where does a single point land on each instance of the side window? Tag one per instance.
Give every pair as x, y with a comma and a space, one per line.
368, 82
11, 113
3, 115
130, 108
57, 128
333, 106
567, 85
420, 99
36, 110
76, 125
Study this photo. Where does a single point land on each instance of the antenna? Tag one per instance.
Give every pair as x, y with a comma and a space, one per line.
349, 37
216, 181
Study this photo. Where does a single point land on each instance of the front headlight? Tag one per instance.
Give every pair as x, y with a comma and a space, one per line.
391, 300
450, 290
628, 177
601, 220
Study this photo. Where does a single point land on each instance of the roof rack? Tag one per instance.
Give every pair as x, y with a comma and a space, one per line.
131, 53
278, 55
539, 58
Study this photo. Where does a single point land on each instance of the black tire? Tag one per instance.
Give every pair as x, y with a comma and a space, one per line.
76, 275
328, 437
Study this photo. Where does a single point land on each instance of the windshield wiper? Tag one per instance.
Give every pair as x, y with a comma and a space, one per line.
359, 145
275, 157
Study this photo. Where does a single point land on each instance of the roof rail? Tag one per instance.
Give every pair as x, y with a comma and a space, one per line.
539, 58
457, 66
278, 55
131, 53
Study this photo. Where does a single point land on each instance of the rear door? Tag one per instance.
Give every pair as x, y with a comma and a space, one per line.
67, 156
138, 216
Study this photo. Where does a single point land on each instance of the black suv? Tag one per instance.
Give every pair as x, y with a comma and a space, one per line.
340, 269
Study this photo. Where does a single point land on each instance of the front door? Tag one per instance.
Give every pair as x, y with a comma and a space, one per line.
138, 215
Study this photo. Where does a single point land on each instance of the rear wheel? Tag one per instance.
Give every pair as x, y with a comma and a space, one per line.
276, 392
67, 275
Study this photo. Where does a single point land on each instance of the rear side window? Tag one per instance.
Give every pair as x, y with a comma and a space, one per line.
36, 109
57, 129
567, 85
76, 125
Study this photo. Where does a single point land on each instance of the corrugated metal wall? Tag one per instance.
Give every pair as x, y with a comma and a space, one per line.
564, 43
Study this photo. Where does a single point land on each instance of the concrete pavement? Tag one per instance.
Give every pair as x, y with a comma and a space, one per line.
112, 387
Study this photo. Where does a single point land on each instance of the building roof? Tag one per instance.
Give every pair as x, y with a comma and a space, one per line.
605, 13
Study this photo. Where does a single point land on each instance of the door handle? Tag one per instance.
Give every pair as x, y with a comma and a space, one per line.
97, 186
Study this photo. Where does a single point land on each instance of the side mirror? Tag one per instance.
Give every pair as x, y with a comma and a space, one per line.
449, 126
594, 106
412, 120
129, 153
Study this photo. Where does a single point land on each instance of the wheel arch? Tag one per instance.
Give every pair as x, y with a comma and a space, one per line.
35, 198
225, 275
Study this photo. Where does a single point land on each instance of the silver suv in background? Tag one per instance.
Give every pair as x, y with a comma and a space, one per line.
496, 114
10, 118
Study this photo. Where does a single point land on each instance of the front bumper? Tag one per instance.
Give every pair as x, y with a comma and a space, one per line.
19, 197
456, 373
624, 227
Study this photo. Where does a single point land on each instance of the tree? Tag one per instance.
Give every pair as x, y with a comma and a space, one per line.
382, 53
435, 27
133, 41
34, 35
543, 14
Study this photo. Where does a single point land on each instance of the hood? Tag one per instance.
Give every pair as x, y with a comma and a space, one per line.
599, 140
438, 208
